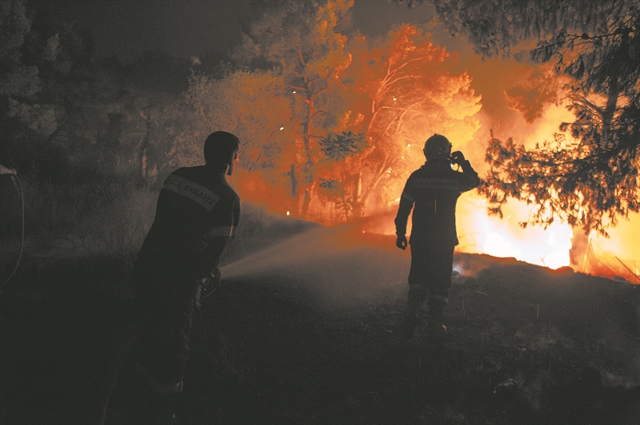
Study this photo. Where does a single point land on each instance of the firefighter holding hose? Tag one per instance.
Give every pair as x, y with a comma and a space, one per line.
432, 192
196, 217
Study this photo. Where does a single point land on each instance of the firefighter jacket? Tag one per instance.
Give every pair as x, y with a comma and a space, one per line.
432, 192
196, 217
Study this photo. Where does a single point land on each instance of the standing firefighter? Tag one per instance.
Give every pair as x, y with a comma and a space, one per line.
196, 218
432, 192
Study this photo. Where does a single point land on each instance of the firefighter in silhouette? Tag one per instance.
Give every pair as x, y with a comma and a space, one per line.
432, 192
196, 217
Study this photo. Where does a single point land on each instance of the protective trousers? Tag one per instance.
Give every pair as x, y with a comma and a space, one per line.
429, 279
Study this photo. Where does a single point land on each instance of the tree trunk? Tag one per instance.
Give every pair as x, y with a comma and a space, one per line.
308, 192
294, 181
358, 205
308, 172
376, 178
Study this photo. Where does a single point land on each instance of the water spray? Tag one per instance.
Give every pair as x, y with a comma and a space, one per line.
14, 177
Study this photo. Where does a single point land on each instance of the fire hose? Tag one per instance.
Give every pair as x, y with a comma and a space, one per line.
14, 177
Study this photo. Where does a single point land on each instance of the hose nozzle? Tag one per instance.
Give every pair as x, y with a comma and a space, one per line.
10, 171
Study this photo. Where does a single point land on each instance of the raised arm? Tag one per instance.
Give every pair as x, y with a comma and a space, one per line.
470, 178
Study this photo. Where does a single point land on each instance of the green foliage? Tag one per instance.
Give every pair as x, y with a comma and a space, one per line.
575, 184
65, 114
19, 81
340, 146
16, 78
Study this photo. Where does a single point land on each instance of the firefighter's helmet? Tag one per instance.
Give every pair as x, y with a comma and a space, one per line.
437, 147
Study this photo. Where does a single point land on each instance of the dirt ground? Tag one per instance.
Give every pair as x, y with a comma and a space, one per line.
305, 332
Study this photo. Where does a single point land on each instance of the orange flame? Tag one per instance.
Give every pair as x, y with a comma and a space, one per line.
553, 247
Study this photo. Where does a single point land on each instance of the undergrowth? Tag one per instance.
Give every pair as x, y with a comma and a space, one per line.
104, 219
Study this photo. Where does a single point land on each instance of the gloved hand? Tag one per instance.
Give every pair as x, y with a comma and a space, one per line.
401, 242
457, 158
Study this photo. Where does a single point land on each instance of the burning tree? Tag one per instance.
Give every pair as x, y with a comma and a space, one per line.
323, 107
254, 106
589, 179
344, 150
405, 92
300, 42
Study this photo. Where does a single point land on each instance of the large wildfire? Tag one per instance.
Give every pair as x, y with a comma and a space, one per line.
334, 136
555, 247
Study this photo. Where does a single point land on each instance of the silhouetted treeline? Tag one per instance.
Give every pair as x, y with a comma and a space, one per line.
66, 113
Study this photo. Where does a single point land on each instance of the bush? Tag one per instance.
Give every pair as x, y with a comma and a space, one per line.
77, 219
108, 219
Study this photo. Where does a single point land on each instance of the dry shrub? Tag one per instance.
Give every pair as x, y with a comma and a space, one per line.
110, 218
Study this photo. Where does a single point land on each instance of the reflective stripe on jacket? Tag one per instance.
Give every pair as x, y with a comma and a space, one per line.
196, 217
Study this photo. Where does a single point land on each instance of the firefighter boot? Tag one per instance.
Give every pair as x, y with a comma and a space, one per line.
416, 297
435, 329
